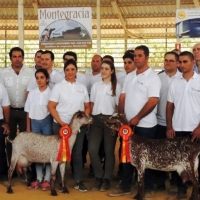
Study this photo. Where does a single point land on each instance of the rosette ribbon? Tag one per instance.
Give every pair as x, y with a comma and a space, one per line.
64, 153
125, 132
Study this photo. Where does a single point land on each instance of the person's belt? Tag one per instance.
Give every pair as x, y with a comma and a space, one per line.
17, 109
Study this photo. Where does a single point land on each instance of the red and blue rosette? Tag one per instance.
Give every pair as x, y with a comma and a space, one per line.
64, 153
125, 131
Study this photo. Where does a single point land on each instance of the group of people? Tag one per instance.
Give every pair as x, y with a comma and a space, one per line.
42, 100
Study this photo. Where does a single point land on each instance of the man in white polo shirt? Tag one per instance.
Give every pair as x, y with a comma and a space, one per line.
141, 98
196, 53
37, 60
95, 75
171, 63
47, 62
183, 106
15, 79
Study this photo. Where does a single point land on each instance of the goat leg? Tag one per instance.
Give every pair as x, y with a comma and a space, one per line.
53, 191
10, 172
63, 187
140, 193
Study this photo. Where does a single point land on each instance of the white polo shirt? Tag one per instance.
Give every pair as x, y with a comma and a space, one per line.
120, 74
129, 77
121, 79
101, 96
4, 99
138, 91
16, 85
70, 98
186, 98
36, 103
81, 78
91, 79
165, 82
55, 77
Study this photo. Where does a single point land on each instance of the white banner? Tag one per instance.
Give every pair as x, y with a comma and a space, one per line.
65, 27
188, 22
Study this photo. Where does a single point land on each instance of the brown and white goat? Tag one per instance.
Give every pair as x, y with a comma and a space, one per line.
30, 148
177, 154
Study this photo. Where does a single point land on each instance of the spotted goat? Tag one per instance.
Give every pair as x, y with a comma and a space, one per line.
35, 148
177, 154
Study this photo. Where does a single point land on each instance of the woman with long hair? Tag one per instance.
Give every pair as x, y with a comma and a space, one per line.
103, 100
40, 121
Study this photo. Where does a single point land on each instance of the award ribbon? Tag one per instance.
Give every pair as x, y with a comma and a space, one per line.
125, 132
64, 151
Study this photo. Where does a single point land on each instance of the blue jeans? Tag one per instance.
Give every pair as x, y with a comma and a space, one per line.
44, 127
77, 159
128, 169
99, 132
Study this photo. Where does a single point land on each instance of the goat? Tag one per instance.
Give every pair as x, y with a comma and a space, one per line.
177, 154
31, 147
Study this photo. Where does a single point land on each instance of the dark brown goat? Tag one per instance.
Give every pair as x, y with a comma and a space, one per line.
177, 154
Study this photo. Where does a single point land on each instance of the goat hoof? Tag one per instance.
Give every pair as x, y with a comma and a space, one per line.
53, 193
9, 190
65, 190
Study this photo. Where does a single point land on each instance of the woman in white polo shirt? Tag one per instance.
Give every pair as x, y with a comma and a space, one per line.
40, 121
68, 97
104, 100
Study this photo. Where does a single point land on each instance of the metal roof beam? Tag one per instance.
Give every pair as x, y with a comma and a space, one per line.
35, 6
118, 12
196, 3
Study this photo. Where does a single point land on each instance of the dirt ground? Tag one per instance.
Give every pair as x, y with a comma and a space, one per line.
22, 193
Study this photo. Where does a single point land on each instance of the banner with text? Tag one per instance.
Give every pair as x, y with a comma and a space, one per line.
65, 28
188, 22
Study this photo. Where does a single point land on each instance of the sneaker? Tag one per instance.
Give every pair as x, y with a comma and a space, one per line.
105, 186
80, 186
45, 185
173, 190
149, 195
97, 184
36, 184
119, 192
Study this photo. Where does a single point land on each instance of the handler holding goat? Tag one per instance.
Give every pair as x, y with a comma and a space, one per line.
138, 100
68, 97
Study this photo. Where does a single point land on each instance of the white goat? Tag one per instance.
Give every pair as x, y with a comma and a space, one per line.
30, 148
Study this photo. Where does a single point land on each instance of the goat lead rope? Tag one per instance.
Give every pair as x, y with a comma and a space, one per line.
64, 151
125, 132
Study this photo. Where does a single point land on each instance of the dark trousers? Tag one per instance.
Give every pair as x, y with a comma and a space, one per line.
100, 132
17, 118
160, 176
175, 177
77, 160
3, 160
128, 169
